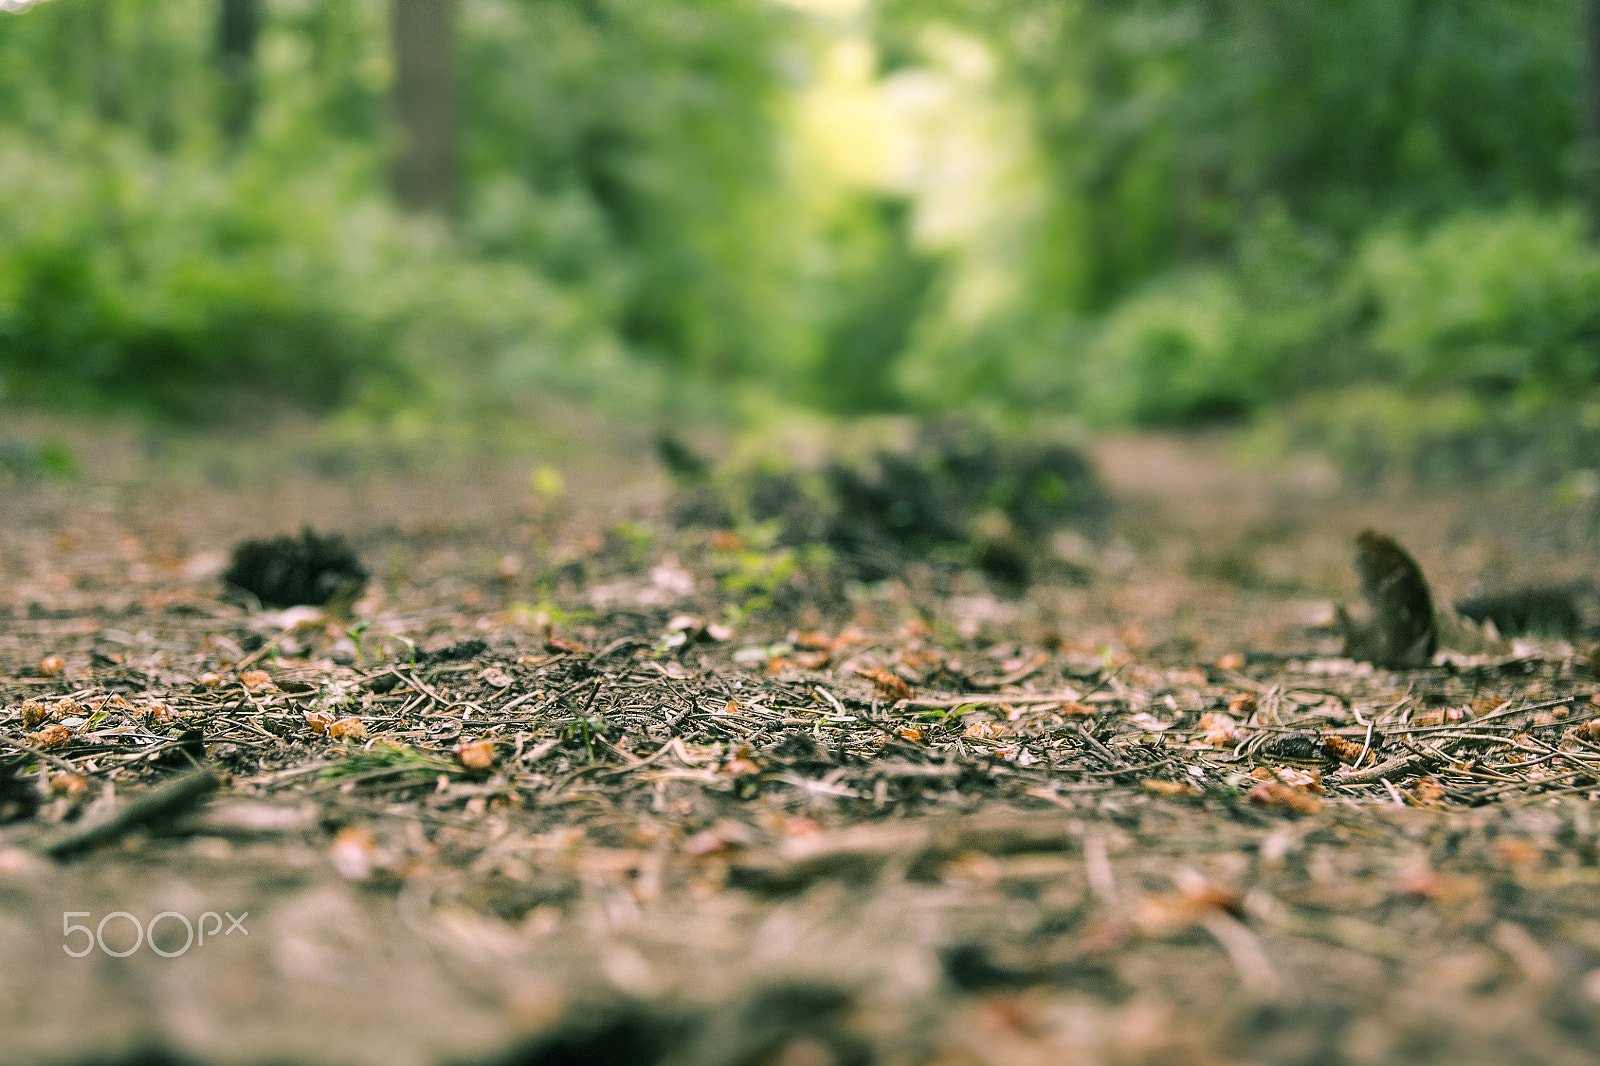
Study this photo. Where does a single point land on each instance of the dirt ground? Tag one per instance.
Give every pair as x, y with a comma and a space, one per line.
572, 785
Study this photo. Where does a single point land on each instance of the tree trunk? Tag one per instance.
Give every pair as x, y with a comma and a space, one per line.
238, 24
424, 102
1589, 118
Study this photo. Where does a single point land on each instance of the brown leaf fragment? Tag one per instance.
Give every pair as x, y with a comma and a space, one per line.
889, 685
1427, 792
983, 729
1219, 730
475, 755
51, 737
1076, 710
1276, 794
1158, 787
348, 729
319, 721
255, 679
563, 646
912, 733
1342, 748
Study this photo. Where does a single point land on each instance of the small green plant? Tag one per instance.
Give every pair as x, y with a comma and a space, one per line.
381, 756
755, 575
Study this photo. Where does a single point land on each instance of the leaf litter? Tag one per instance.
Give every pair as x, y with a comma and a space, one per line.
942, 841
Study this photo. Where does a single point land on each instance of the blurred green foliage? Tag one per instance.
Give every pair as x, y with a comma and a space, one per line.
616, 160
1235, 204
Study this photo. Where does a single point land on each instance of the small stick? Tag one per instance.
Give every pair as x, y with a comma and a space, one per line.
1373, 774
158, 803
963, 701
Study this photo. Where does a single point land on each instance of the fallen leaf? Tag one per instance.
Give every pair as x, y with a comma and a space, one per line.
348, 729
889, 685
983, 729
1158, 787
1341, 748
319, 721
255, 679
1427, 792
1284, 797
51, 737
475, 755
1219, 729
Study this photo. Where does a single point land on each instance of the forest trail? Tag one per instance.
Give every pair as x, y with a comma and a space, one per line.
541, 807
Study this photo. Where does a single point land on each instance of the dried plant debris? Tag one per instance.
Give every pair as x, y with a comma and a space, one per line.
1400, 633
919, 824
1548, 611
286, 571
958, 493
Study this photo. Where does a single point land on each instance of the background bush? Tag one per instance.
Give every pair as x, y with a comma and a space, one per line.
1208, 211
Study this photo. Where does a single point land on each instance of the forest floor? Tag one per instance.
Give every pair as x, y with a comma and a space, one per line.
563, 790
